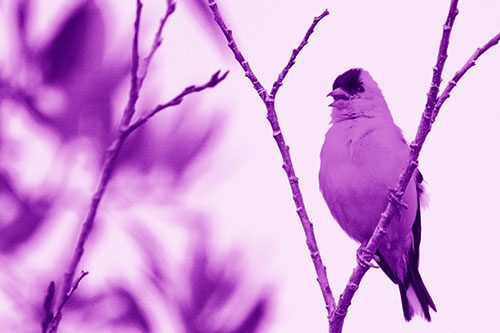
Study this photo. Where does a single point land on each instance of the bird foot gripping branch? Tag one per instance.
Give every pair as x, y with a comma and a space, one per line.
364, 257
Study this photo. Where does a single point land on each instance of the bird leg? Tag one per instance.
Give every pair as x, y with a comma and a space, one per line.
363, 257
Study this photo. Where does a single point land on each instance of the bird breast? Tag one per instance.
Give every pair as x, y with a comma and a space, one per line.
360, 160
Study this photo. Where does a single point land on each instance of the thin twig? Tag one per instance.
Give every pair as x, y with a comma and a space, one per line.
458, 75
214, 80
134, 81
110, 162
47, 306
156, 43
268, 99
237, 53
58, 313
279, 81
111, 156
415, 147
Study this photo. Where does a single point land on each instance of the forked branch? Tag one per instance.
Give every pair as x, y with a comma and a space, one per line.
52, 317
268, 99
432, 107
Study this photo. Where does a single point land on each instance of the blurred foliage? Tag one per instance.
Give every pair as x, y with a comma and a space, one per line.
204, 17
211, 288
71, 63
75, 47
24, 217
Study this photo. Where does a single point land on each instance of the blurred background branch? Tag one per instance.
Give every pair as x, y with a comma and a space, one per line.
63, 91
112, 154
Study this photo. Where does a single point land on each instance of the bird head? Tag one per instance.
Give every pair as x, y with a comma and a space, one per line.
355, 94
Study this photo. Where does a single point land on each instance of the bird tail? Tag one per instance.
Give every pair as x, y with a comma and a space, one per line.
414, 295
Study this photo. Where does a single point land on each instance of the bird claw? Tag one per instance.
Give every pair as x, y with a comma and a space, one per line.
363, 257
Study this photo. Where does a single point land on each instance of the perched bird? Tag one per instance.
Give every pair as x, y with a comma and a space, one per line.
361, 160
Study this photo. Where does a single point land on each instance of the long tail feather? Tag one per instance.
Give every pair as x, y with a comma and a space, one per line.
415, 298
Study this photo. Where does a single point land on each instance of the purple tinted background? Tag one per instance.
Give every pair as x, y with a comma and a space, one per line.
200, 202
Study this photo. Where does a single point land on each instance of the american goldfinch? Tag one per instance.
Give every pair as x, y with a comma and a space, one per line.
362, 157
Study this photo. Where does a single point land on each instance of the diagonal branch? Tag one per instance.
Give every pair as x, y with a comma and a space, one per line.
458, 75
268, 99
214, 80
279, 81
111, 155
58, 312
68, 286
237, 53
431, 110
156, 43
134, 81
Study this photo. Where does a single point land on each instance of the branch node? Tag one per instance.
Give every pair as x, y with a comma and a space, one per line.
352, 286
261, 90
269, 98
69, 286
340, 312
396, 198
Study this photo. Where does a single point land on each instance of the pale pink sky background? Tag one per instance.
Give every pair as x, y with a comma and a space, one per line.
245, 190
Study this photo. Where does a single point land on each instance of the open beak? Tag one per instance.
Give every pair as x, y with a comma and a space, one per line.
338, 94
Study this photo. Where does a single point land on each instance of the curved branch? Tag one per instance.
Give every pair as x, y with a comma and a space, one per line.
134, 80
415, 147
171, 5
268, 99
214, 80
68, 285
279, 81
461, 72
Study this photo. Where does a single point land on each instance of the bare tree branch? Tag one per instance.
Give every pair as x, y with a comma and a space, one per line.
134, 81
458, 75
112, 152
279, 81
214, 80
396, 195
268, 99
47, 306
428, 116
58, 313
156, 43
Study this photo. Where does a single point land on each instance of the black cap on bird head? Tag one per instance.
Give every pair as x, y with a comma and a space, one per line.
350, 81
356, 94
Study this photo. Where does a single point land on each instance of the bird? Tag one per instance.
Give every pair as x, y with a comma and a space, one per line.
362, 157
